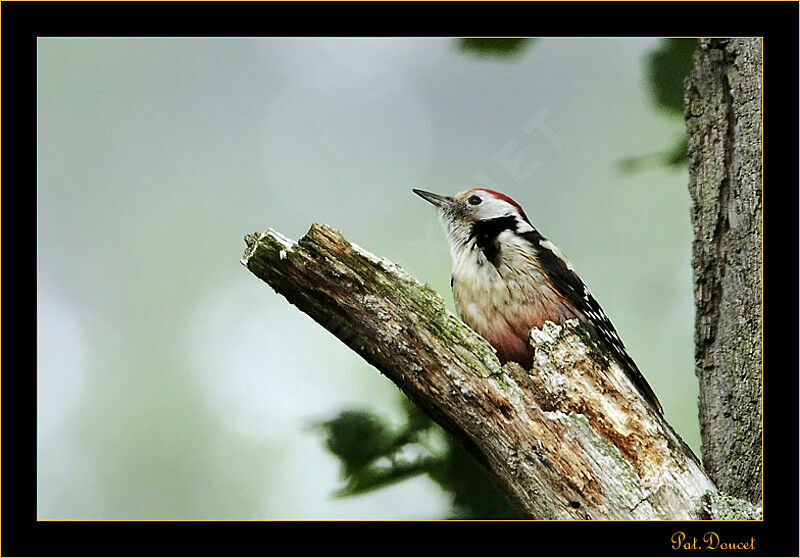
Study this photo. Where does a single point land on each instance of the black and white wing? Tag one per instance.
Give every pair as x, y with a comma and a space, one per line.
573, 289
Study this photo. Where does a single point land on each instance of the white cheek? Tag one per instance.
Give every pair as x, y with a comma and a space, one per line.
491, 208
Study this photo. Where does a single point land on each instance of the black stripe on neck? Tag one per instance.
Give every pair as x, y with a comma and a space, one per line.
486, 232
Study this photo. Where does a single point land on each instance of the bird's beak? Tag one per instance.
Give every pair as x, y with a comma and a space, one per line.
435, 199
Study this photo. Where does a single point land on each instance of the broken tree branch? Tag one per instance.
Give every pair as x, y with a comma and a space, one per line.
570, 439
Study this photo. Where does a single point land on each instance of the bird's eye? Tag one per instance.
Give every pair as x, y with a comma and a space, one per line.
474, 200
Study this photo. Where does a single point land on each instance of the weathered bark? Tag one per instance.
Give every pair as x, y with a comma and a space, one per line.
723, 118
570, 439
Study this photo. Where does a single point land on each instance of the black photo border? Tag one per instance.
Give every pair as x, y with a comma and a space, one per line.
23, 22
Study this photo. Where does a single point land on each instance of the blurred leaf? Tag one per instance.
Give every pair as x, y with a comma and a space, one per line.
373, 478
417, 419
374, 455
676, 156
672, 157
667, 66
474, 495
499, 47
358, 438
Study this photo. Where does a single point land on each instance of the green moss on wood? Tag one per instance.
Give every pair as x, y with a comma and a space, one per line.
729, 508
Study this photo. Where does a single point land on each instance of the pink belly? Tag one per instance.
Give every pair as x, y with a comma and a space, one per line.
511, 347
509, 334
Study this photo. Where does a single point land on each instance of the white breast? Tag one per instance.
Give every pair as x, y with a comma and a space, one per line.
504, 301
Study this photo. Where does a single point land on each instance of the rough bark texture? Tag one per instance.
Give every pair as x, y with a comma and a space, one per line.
723, 117
569, 439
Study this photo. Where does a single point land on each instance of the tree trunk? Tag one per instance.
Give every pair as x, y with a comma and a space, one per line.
570, 439
723, 118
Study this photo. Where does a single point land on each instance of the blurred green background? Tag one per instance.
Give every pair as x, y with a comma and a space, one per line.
173, 384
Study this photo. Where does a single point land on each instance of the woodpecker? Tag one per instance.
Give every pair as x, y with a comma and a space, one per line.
507, 278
